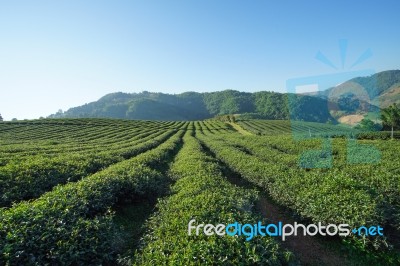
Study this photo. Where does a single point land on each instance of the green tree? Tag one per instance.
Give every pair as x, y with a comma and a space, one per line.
1, 118
368, 125
391, 117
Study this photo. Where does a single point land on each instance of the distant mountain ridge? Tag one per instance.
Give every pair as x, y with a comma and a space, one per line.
361, 97
382, 88
324, 106
197, 106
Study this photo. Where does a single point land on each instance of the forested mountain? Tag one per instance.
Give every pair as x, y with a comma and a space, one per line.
379, 90
197, 106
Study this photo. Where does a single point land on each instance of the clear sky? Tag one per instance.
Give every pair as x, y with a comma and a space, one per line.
60, 54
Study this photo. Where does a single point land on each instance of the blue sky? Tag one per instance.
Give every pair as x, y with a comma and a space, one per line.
59, 54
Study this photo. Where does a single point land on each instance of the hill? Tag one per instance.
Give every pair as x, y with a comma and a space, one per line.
359, 97
198, 106
363, 94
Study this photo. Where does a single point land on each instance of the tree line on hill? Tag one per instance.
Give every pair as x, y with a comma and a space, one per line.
198, 106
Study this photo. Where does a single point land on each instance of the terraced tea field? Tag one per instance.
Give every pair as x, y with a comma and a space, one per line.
102, 191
